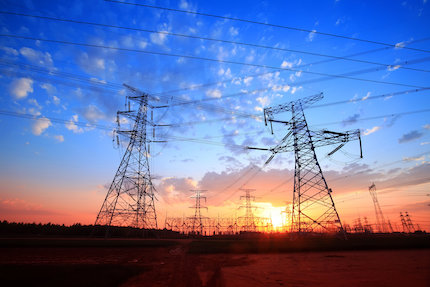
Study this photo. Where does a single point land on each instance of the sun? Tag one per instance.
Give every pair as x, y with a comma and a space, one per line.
277, 220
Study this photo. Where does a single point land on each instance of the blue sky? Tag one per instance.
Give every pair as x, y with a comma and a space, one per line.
55, 170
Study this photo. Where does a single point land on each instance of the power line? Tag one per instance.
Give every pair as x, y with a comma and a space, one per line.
270, 25
203, 59
210, 39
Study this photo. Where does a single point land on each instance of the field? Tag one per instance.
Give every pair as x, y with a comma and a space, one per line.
216, 262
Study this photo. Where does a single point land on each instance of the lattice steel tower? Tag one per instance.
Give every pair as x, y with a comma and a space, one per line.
197, 219
313, 206
249, 215
382, 226
130, 200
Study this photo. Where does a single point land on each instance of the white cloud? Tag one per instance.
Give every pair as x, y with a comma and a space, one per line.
264, 101
40, 125
400, 45
295, 89
71, 125
10, 51
393, 68
366, 97
414, 158
50, 89
143, 44
247, 80
371, 131
258, 109
21, 87
37, 57
424, 143
158, 38
59, 138
91, 64
215, 93
427, 126
311, 36
286, 64
93, 114
56, 100
233, 31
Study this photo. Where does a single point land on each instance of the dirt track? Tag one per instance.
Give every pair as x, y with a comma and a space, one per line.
175, 266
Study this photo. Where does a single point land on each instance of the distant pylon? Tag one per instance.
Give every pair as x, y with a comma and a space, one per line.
313, 206
197, 219
382, 226
249, 225
287, 213
404, 224
130, 200
411, 226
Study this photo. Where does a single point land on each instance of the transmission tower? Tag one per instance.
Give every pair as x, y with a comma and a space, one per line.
249, 225
197, 219
382, 226
313, 205
404, 224
130, 198
409, 223
287, 213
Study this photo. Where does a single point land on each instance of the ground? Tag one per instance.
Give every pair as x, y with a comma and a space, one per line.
175, 263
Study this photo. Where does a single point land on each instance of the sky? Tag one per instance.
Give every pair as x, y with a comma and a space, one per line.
63, 65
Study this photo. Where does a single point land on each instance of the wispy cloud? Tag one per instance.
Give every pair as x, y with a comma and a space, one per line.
410, 136
372, 130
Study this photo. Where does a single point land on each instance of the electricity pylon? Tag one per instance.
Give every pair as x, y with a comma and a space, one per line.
382, 226
411, 226
197, 219
249, 225
313, 205
130, 200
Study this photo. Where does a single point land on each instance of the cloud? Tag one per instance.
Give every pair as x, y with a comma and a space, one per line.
427, 126
286, 64
424, 143
400, 45
56, 100
366, 97
351, 120
393, 68
233, 31
40, 125
20, 88
50, 89
247, 81
311, 36
91, 64
59, 138
37, 57
264, 101
421, 158
214, 93
93, 113
157, 38
10, 51
410, 136
371, 131
71, 125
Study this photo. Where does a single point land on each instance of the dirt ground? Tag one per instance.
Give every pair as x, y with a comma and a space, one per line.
174, 266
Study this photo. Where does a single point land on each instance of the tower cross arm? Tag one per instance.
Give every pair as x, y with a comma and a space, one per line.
302, 103
325, 137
